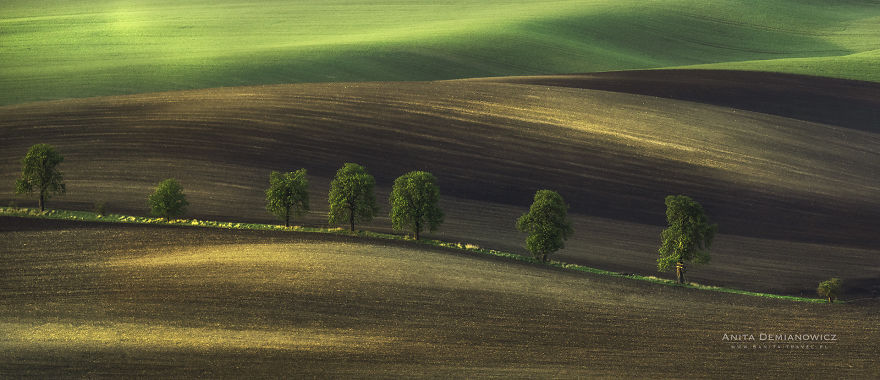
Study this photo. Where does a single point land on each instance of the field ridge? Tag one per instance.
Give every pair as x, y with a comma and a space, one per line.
109, 299
85, 216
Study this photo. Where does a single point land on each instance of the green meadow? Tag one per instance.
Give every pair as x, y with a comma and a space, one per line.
859, 66
64, 49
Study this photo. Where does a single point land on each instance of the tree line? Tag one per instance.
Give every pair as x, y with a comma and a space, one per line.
414, 199
415, 208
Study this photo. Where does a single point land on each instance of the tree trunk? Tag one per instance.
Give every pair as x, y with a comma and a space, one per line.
351, 218
287, 218
418, 228
42, 202
679, 272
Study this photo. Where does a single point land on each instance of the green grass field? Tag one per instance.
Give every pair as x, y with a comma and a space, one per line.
57, 49
856, 66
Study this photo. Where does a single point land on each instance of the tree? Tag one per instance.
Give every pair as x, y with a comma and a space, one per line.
351, 197
288, 194
414, 203
168, 200
830, 289
546, 223
39, 172
687, 238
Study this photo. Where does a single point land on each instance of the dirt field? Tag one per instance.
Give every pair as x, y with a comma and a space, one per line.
796, 200
847, 103
96, 300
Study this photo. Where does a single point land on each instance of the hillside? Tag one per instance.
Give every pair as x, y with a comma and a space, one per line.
97, 300
796, 200
845, 103
82, 48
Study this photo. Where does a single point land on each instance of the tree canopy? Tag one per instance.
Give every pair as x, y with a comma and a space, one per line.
688, 236
39, 172
415, 200
546, 223
288, 194
168, 200
830, 289
352, 197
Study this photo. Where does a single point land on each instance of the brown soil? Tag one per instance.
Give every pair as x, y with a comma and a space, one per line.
847, 103
105, 300
796, 201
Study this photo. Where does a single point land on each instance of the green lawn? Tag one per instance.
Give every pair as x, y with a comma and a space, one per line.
87, 48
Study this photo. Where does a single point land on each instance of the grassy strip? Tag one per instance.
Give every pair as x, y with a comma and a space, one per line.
117, 218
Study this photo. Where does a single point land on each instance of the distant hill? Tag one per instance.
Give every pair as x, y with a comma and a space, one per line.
72, 49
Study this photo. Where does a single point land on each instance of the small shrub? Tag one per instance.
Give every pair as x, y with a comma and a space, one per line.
100, 208
830, 289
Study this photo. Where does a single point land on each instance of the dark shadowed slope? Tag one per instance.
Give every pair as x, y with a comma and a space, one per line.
851, 104
614, 157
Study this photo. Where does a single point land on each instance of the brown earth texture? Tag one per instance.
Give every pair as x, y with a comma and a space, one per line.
103, 300
793, 186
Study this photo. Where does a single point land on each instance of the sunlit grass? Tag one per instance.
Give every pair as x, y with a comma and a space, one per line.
90, 48
117, 218
692, 285
856, 66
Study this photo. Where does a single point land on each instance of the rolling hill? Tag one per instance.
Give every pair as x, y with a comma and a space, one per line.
765, 112
73, 49
117, 300
796, 200
845, 103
